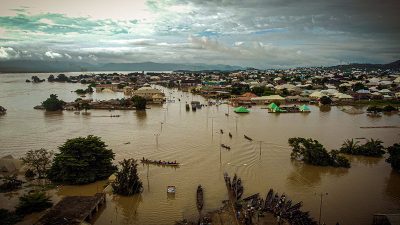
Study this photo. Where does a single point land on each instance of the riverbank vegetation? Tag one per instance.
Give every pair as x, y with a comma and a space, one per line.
394, 156
82, 160
53, 103
372, 148
34, 201
127, 181
312, 152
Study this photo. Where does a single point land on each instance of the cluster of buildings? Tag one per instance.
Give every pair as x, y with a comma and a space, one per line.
251, 86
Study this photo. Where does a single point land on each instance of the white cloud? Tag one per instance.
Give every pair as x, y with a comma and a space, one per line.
53, 55
93, 57
8, 53
239, 43
47, 21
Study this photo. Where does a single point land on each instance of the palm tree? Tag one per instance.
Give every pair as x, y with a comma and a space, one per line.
373, 147
350, 147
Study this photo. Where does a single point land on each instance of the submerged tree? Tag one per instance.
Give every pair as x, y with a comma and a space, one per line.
312, 152
139, 102
325, 100
35, 201
350, 147
53, 103
38, 160
373, 148
82, 160
394, 156
127, 181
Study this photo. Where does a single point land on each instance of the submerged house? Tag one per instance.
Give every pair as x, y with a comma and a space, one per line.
241, 109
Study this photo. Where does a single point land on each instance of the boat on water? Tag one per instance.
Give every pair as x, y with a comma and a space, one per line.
159, 162
225, 146
222, 131
230, 135
248, 138
77, 113
200, 198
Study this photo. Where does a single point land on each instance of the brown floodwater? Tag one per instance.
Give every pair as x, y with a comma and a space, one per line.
354, 195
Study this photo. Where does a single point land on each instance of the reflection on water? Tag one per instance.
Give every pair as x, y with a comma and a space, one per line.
325, 108
188, 138
368, 161
392, 189
310, 176
126, 208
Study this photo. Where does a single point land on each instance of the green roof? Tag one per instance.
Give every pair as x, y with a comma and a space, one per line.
304, 108
241, 109
272, 106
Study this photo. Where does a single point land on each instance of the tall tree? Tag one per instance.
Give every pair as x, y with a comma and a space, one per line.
38, 160
127, 181
82, 160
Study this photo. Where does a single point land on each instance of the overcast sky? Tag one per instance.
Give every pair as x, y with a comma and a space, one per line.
256, 33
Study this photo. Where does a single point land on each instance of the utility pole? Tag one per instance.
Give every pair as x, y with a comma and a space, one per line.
321, 195
236, 118
212, 125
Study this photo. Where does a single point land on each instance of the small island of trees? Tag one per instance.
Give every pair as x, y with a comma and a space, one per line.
312, 152
53, 103
373, 148
88, 90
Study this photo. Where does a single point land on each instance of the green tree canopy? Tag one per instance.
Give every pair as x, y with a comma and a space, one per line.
312, 152
127, 181
394, 156
82, 160
139, 102
373, 147
53, 103
325, 100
